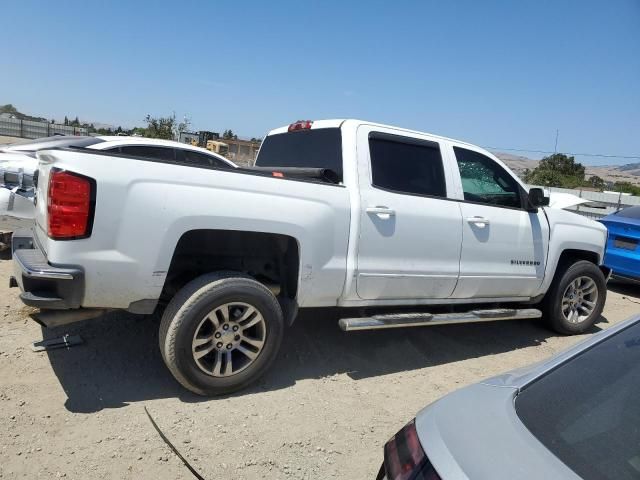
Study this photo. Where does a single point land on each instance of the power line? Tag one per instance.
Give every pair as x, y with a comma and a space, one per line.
601, 155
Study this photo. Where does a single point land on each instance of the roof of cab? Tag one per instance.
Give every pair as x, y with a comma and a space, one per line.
338, 123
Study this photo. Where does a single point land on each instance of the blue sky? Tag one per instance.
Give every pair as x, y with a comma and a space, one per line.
495, 73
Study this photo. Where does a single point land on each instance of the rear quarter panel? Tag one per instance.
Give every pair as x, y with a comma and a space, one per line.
143, 208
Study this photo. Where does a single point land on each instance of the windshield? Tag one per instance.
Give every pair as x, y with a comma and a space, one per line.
58, 141
320, 148
587, 412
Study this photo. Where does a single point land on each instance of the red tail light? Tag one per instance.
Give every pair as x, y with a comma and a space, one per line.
300, 125
70, 205
404, 458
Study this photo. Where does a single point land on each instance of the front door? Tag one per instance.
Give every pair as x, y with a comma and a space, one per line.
504, 246
410, 234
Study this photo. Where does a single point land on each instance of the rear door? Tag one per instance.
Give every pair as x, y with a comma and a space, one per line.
504, 246
410, 233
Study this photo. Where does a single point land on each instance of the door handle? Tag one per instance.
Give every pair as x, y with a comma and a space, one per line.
479, 221
382, 212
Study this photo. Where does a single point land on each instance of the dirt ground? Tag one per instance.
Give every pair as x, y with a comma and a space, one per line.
324, 411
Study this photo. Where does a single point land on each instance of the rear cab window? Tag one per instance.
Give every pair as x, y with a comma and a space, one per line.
313, 148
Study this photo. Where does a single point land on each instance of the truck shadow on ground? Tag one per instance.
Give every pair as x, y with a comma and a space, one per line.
120, 362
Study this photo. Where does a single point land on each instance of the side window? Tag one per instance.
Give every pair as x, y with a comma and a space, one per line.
406, 165
149, 151
484, 181
191, 157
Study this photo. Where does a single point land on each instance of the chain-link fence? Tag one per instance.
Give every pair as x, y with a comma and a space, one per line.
14, 127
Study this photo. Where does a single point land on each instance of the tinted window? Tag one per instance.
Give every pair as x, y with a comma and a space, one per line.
321, 148
406, 165
587, 411
631, 212
190, 157
484, 181
149, 151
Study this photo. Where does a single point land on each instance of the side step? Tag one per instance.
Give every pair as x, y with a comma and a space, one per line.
397, 320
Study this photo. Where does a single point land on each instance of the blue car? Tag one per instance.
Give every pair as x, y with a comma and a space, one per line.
623, 254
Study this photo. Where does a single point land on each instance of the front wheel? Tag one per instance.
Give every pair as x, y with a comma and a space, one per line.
576, 298
220, 333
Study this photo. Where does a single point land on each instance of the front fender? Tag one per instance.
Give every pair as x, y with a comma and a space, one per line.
570, 231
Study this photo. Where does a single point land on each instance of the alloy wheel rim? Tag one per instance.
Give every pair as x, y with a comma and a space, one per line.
579, 299
229, 339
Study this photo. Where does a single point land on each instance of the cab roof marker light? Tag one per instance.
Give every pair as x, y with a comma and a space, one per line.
301, 125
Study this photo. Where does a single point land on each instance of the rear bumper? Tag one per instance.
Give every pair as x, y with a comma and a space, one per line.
623, 263
43, 285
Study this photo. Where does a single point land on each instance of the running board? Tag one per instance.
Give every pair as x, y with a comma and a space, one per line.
397, 320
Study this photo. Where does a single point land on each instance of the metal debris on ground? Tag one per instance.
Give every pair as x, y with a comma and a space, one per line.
174, 449
64, 341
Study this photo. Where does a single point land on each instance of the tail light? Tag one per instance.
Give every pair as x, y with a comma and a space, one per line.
300, 125
70, 205
404, 458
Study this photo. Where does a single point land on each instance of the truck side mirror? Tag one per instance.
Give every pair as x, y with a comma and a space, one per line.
537, 198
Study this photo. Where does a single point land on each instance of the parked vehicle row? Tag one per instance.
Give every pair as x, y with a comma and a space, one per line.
394, 227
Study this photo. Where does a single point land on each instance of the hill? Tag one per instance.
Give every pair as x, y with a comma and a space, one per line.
610, 173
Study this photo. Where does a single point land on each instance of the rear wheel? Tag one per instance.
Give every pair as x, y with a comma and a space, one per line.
576, 298
220, 333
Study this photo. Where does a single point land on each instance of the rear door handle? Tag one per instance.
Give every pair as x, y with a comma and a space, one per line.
479, 221
382, 212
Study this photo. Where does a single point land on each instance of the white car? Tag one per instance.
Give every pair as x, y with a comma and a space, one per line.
365, 217
18, 161
18, 164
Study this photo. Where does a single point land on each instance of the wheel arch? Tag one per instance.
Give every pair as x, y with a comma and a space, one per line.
566, 257
272, 259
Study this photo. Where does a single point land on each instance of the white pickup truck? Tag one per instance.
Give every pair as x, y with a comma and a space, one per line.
394, 227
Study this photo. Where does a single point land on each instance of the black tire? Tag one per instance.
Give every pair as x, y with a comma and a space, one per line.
552, 302
187, 310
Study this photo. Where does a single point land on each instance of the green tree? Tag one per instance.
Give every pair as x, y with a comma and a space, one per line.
557, 170
66, 120
626, 187
229, 135
160, 127
596, 182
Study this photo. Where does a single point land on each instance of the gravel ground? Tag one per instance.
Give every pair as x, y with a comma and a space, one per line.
324, 411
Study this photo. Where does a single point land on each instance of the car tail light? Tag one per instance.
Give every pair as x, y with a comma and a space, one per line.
300, 125
70, 205
404, 458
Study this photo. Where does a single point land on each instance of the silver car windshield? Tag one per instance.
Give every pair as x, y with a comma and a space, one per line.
587, 411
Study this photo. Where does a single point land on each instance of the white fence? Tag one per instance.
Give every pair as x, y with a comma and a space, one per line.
14, 127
